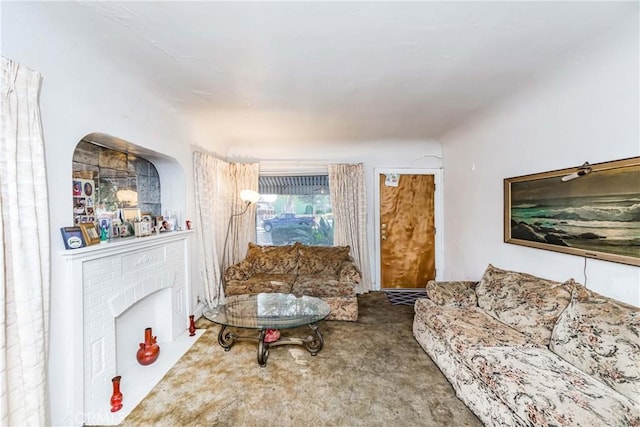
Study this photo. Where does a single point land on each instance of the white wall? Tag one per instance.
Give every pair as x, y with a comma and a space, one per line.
586, 111
82, 92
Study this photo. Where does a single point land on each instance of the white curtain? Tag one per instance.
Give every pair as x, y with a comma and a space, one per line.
348, 198
24, 255
244, 176
212, 212
218, 185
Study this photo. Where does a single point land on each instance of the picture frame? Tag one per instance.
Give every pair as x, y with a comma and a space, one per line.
590, 211
104, 222
115, 227
90, 233
72, 237
169, 223
124, 230
130, 214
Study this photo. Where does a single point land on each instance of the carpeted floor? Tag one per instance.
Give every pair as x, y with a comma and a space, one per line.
369, 373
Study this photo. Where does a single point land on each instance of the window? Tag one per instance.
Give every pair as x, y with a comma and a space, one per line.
294, 209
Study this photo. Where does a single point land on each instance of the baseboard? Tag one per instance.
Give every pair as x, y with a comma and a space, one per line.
197, 313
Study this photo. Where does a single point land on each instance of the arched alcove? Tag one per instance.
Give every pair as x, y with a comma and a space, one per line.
126, 178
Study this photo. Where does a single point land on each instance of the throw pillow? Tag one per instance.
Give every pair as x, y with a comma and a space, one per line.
600, 336
525, 302
273, 259
322, 259
460, 293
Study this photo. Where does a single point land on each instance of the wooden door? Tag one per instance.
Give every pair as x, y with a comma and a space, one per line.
407, 231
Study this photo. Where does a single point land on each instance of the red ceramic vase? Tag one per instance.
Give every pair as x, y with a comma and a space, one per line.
192, 326
116, 397
149, 349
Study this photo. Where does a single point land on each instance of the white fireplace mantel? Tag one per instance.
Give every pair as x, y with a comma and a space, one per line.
107, 281
125, 244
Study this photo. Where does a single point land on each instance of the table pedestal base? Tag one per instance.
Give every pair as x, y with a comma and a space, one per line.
313, 343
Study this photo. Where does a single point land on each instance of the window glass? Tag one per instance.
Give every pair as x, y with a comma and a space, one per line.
294, 209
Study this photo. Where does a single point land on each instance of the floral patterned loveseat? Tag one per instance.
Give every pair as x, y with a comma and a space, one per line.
328, 273
524, 351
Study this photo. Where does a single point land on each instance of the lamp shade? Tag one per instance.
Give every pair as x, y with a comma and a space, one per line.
249, 196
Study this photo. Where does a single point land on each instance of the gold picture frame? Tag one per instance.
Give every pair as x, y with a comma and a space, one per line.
90, 233
591, 211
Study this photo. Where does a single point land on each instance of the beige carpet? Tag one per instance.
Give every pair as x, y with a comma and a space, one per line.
369, 373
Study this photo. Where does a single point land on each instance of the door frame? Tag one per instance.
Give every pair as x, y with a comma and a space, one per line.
438, 214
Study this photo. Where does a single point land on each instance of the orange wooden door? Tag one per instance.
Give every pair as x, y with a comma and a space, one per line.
407, 231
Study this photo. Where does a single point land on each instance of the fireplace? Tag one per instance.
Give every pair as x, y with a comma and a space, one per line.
124, 288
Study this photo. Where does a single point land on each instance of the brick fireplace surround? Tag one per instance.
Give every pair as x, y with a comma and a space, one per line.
120, 288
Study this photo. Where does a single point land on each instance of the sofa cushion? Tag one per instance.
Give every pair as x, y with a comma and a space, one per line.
545, 390
460, 293
240, 271
465, 327
528, 303
341, 296
321, 286
321, 259
272, 259
259, 283
601, 336
349, 272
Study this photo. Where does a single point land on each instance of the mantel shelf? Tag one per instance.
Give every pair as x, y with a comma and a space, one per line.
124, 245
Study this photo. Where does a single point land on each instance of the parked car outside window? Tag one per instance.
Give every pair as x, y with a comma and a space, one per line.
286, 219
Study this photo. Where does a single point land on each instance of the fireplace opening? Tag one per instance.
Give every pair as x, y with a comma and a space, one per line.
153, 311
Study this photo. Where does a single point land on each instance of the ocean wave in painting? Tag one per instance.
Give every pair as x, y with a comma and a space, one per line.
611, 223
588, 213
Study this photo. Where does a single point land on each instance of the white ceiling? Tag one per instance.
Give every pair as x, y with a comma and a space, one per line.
349, 70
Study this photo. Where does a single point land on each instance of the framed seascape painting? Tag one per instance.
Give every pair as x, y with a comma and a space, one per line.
591, 211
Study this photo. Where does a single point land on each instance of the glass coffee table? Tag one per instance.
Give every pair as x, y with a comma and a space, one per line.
268, 311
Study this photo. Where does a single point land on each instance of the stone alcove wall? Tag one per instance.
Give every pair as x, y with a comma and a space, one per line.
112, 171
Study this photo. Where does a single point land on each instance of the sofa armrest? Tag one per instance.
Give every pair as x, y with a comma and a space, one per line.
240, 271
349, 272
460, 293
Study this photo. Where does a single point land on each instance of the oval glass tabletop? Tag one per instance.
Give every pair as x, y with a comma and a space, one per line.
268, 311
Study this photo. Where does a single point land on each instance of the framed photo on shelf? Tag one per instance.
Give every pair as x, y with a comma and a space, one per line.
168, 223
84, 193
90, 233
130, 214
104, 222
115, 227
72, 237
124, 230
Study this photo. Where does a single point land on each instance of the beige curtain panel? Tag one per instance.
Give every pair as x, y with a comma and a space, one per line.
212, 212
218, 185
348, 198
24, 254
244, 176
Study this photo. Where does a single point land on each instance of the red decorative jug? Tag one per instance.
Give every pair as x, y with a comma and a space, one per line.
192, 326
149, 349
116, 397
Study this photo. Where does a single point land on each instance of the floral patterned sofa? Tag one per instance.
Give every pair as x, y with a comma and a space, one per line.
524, 351
328, 273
